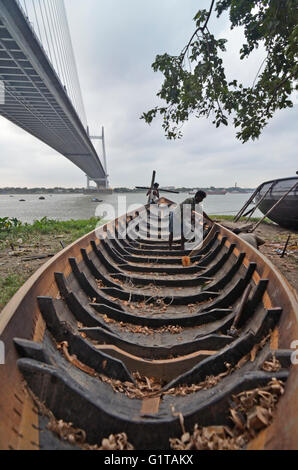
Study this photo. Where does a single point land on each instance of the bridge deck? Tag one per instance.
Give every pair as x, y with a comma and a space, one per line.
35, 98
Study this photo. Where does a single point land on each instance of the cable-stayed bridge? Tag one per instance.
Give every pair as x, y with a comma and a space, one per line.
42, 93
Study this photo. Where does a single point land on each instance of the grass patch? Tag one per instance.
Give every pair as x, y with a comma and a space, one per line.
8, 287
43, 236
71, 229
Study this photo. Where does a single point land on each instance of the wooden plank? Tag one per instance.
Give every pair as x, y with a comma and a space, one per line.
150, 406
28, 428
151, 186
274, 340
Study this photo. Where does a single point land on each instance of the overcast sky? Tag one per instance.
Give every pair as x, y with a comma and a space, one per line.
115, 44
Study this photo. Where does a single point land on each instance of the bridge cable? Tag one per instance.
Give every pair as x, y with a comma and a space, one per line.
58, 49
52, 28
40, 38
26, 9
37, 22
70, 88
51, 37
73, 64
36, 112
46, 36
62, 51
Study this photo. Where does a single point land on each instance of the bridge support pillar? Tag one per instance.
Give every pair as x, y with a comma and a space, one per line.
102, 185
88, 182
104, 182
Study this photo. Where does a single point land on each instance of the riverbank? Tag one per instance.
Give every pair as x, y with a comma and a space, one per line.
24, 248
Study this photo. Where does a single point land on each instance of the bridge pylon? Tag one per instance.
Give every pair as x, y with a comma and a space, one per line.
101, 183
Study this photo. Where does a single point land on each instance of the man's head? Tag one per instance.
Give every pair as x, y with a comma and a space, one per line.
156, 186
199, 196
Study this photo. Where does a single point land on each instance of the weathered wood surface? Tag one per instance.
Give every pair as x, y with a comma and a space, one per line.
22, 318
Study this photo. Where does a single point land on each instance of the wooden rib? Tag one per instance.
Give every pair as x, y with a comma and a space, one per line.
21, 317
162, 369
278, 291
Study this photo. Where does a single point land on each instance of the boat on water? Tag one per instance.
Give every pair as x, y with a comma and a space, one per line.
269, 193
115, 337
215, 192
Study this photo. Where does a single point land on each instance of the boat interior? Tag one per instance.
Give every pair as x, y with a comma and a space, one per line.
115, 335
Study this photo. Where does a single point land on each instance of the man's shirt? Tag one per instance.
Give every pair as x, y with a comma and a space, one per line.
189, 201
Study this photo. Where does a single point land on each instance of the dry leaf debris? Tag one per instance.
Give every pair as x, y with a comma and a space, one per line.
144, 329
150, 387
272, 365
144, 388
116, 442
76, 436
253, 410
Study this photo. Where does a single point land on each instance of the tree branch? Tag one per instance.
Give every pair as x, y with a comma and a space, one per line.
197, 30
259, 70
275, 90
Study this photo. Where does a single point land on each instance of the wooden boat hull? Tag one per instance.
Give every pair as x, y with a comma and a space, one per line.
286, 213
46, 311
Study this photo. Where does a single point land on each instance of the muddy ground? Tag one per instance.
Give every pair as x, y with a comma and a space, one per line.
17, 261
275, 238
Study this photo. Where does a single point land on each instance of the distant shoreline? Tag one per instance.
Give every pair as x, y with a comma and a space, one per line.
83, 191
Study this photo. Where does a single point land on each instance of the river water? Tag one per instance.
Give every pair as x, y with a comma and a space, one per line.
79, 206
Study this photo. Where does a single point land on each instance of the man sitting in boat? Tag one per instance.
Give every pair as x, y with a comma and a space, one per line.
192, 202
154, 194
